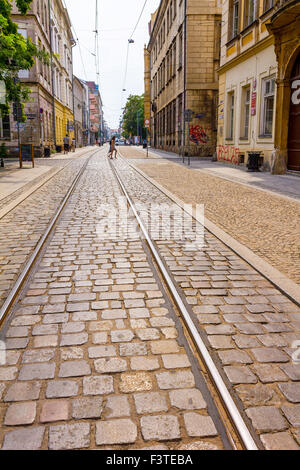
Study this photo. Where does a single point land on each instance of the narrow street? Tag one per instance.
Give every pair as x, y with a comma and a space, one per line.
98, 355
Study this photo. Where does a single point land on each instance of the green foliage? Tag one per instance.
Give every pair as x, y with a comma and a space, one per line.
3, 151
16, 53
130, 116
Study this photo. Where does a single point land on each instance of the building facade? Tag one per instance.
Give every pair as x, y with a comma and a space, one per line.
247, 82
49, 110
284, 24
184, 58
62, 72
96, 114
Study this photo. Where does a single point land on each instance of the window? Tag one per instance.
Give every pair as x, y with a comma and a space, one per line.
174, 57
245, 112
250, 12
175, 9
180, 50
4, 127
267, 107
268, 4
230, 115
233, 21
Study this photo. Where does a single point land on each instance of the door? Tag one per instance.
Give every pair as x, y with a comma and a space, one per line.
294, 120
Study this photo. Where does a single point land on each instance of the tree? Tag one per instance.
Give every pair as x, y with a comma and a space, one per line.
16, 53
134, 102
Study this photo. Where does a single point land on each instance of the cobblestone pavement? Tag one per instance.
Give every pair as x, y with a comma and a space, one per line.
96, 357
251, 329
21, 228
266, 223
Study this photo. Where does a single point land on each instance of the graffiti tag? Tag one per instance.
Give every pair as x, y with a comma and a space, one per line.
228, 153
198, 135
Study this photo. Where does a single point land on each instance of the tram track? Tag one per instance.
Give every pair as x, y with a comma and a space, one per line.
236, 428
17, 287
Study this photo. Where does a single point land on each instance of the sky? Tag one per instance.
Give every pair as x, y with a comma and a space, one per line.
117, 20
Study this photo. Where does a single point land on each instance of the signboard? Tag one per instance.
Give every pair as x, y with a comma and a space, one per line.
147, 123
27, 153
253, 103
188, 115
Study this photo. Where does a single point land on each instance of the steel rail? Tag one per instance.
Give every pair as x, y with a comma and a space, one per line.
30, 262
230, 406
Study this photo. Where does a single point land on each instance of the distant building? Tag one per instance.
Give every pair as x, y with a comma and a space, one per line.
184, 50
96, 113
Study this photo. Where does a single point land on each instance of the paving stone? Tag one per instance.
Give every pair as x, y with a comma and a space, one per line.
175, 379
164, 346
24, 439
61, 389
133, 349
102, 351
161, 321
73, 339
267, 418
135, 382
187, 399
118, 431
233, 356
40, 355
219, 330
146, 334
37, 371
292, 413
56, 318
250, 328
139, 312
198, 445
101, 325
269, 355
152, 402
18, 332
54, 410
40, 330
118, 336
16, 343
292, 371
110, 365
144, 363
87, 408
279, 441
246, 341
240, 375
171, 361
71, 353
69, 436
269, 373
100, 338
117, 406
255, 395
291, 391
74, 369
198, 425
20, 414
98, 385
45, 341
72, 327
113, 314
205, 309
161, 428
84, 316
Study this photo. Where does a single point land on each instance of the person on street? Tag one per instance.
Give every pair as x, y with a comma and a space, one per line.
112, 148
66, 144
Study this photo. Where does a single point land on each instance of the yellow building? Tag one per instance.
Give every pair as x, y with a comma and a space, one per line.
247, 82
284, 24
62, 71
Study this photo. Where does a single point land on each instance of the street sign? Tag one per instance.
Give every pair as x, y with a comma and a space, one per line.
147, 123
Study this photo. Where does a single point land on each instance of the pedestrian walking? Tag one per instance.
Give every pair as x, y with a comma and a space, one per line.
66, 144
112, 148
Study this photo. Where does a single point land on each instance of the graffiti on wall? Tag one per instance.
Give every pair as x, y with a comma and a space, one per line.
228, 153
198, 135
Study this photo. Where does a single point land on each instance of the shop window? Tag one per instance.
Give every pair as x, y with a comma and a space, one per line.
267, 107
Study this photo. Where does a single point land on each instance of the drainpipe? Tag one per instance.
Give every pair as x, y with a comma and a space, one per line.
185, 61
52, 72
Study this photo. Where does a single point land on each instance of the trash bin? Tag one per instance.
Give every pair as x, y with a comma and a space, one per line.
47, 152
253, 161
58, 148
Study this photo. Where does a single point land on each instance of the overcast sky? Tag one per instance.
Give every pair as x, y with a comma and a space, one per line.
117, 19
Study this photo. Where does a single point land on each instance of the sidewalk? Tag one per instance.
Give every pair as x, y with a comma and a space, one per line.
264, 220
286, 185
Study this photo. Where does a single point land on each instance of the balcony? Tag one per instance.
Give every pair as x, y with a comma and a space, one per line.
285, 13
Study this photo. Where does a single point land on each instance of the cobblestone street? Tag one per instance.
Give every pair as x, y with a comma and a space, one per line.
98, 356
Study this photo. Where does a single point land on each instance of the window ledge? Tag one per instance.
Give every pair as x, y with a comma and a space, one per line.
232, 40
250, 26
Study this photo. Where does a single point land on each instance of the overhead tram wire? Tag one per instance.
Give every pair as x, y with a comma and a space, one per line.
130, 41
